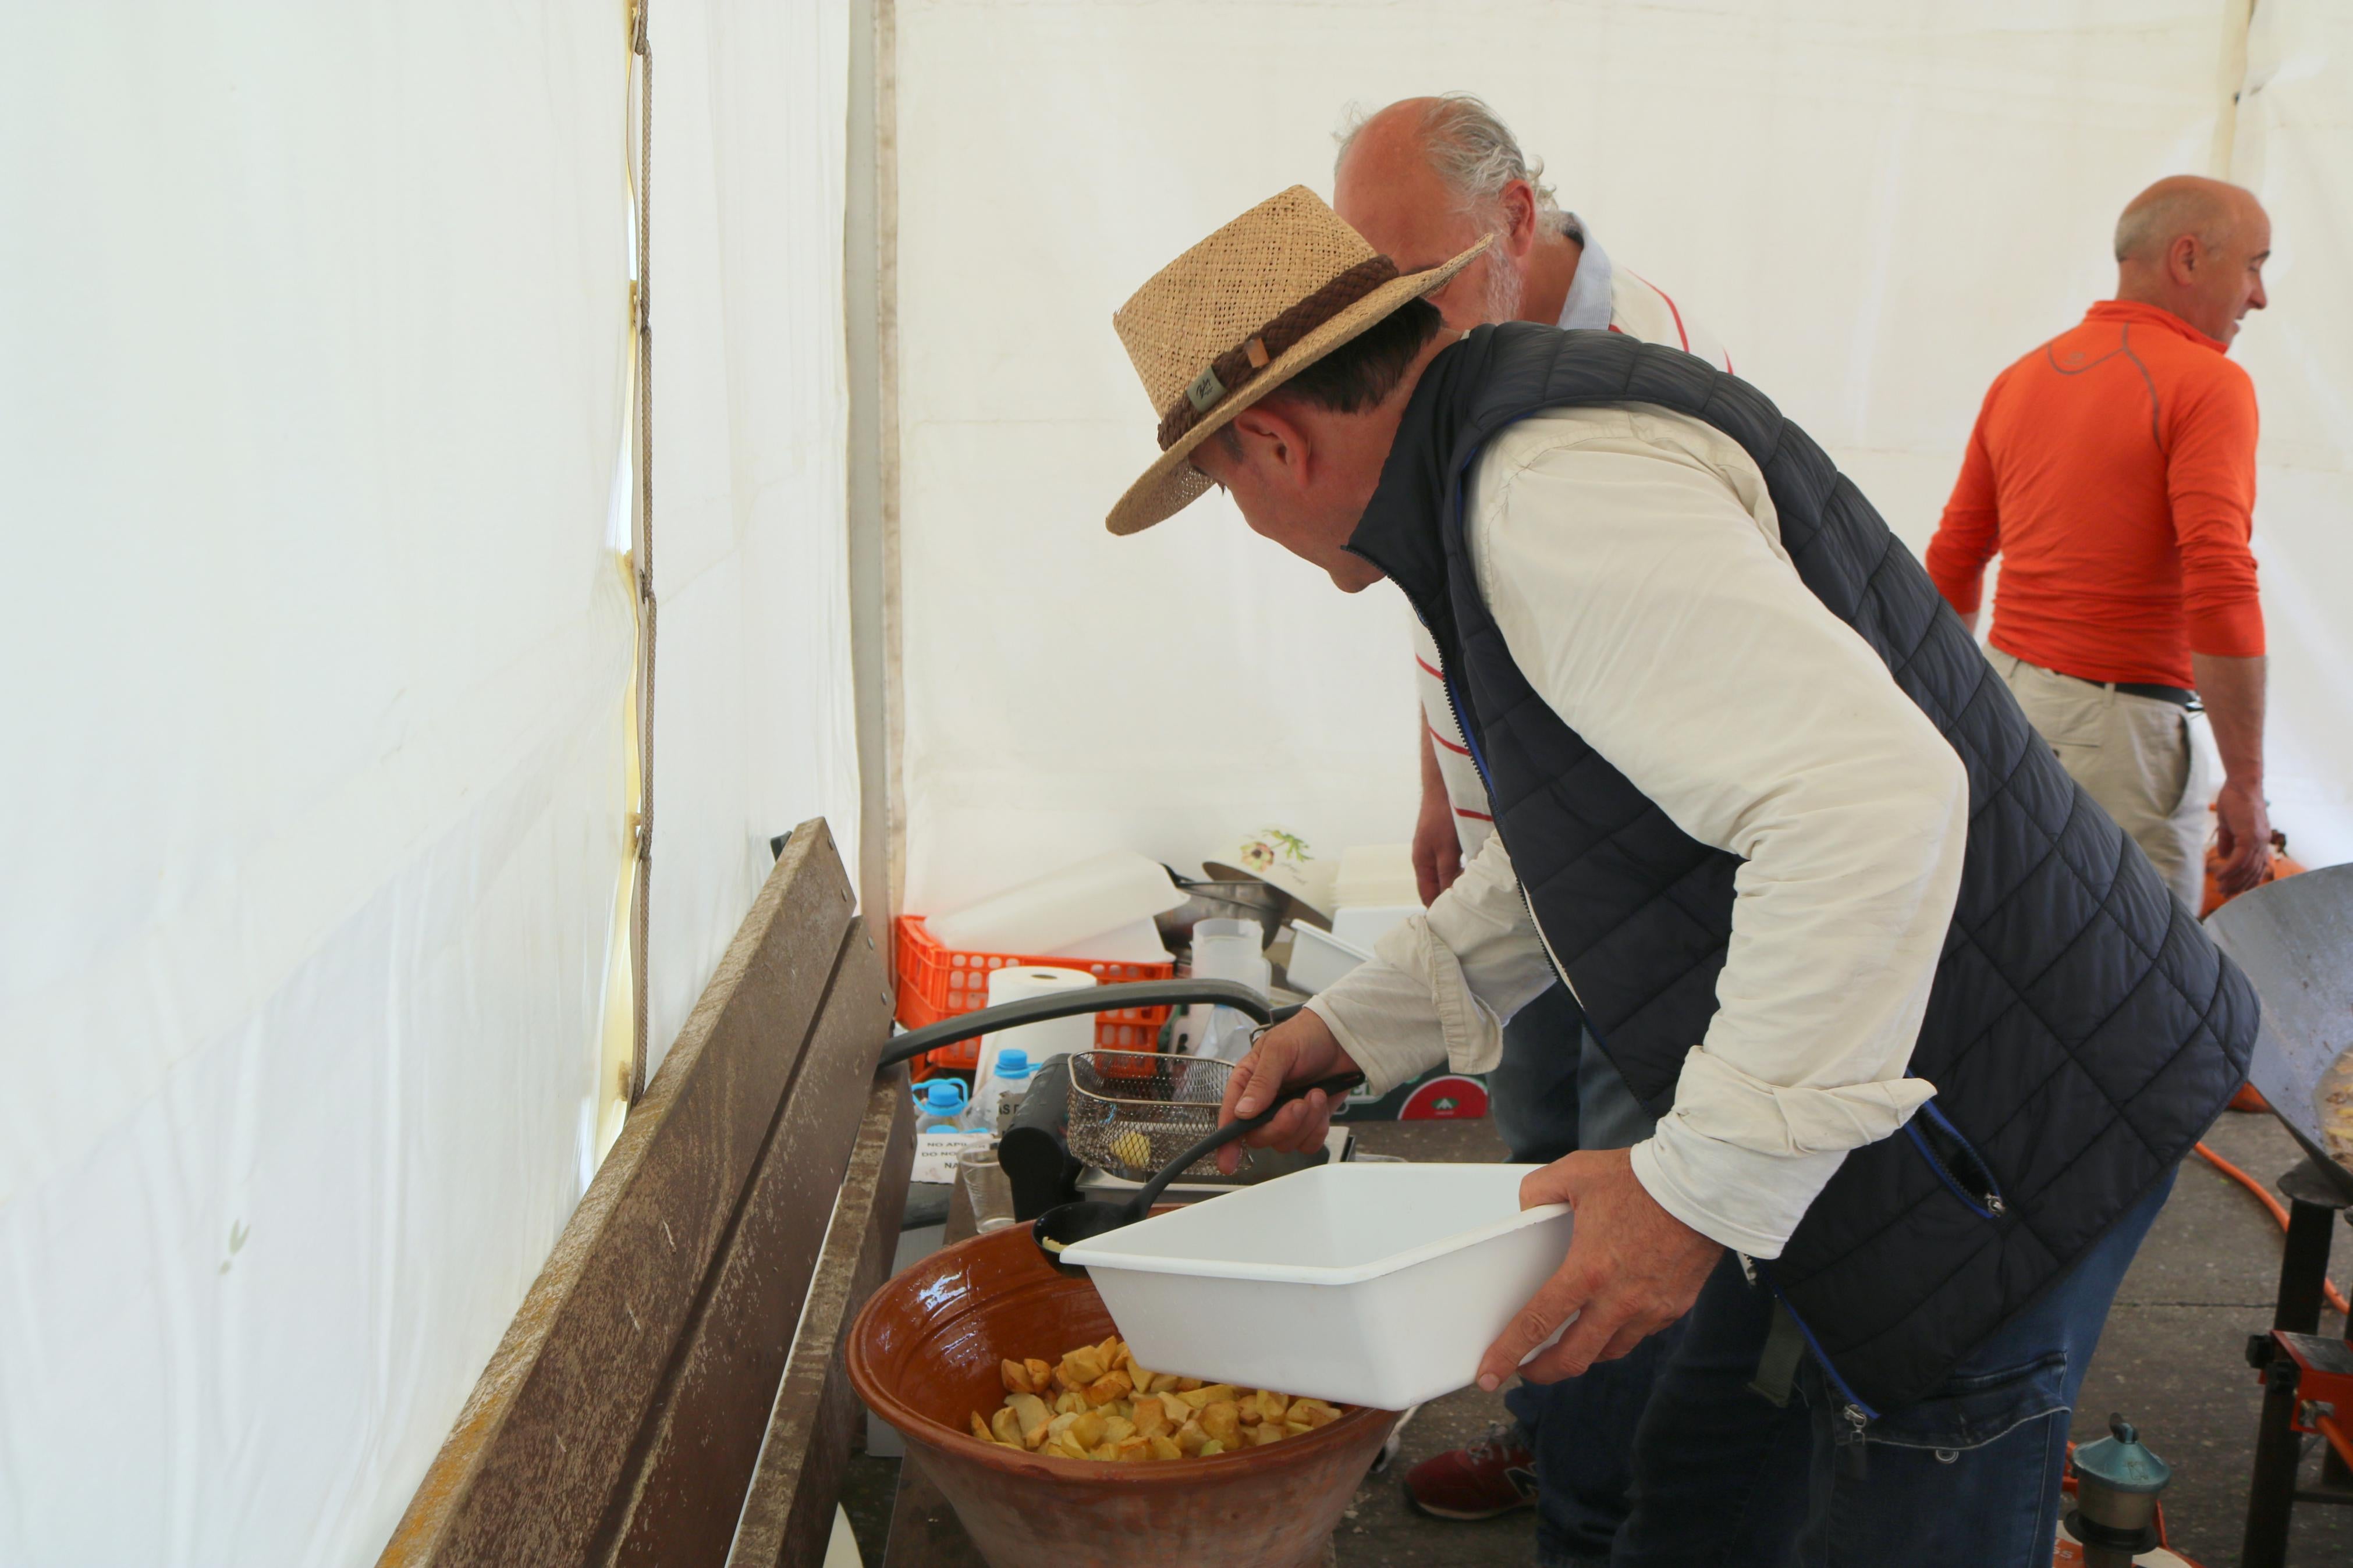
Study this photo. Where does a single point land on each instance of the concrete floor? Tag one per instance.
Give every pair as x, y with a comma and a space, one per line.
2171, 1359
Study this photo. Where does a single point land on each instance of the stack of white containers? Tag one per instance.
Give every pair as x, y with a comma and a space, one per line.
1376, 890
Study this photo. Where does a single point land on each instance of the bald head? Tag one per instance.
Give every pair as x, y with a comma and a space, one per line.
2196, 248
2205, 210
1426, 178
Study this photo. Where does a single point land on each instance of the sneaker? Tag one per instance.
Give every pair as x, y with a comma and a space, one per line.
1493, 1477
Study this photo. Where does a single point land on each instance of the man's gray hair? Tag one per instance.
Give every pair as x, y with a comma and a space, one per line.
2152, 222
1470, 149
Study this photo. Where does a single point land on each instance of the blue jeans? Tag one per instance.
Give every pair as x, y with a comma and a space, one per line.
1554, 1092
1967, 1477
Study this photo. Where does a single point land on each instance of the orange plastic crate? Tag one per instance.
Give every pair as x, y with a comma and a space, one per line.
935, 983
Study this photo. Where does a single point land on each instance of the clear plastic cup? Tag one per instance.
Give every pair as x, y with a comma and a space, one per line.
986, 1188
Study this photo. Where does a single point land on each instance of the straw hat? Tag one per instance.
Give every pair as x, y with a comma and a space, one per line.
1239, 314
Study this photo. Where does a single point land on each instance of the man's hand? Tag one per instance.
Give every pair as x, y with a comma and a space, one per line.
1632, 1268
2242, 831
1301, 1049
1436, 848
2232, 690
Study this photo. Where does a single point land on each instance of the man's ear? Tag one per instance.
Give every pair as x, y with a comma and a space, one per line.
2184, 253
1519, 204
1272, 442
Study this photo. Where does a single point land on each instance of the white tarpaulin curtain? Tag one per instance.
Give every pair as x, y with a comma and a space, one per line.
314, 362
755, 724
1877, 205
2295, 148
316, 382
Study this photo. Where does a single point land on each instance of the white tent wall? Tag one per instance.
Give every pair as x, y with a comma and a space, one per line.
2295, 148
754, 714
315, 340
1875, 205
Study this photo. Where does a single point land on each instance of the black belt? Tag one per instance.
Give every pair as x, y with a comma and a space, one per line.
2179, 696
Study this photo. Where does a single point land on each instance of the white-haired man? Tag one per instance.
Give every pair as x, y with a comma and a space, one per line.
1425, 179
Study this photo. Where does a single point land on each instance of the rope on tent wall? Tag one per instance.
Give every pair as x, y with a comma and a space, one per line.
641, 46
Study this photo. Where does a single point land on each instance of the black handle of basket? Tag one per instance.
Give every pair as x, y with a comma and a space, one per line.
1334, 1088
1087, 999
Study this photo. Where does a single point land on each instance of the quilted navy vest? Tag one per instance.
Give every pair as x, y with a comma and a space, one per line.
2082, 1032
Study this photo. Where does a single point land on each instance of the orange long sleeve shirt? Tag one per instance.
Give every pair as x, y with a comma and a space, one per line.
2114, 471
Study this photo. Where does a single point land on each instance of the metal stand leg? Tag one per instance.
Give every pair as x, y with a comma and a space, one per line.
2304, 1272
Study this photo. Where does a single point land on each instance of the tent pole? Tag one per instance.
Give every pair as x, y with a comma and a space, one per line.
642, 547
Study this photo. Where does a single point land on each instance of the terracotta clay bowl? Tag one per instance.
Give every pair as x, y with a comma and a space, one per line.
925, 1354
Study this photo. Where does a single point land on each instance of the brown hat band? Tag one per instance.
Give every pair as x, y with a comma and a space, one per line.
1238, 364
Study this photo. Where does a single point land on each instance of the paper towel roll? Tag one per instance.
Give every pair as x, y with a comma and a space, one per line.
1050, 914
1055, 1037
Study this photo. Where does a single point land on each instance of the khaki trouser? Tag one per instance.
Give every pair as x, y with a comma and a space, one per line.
2132, 754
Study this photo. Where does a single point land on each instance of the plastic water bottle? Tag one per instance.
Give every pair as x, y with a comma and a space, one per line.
939, 1106
1004, 1082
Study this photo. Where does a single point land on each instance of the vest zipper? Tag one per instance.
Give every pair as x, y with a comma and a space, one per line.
1974, 1184
1479, 761
1854, 1416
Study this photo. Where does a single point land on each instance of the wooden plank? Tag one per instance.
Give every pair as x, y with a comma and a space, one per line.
547, 1433
704, 1435
788, 1510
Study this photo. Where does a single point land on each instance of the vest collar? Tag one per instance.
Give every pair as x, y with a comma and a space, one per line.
1399, 529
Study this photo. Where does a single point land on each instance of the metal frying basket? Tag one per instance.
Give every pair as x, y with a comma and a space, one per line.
1133, 1111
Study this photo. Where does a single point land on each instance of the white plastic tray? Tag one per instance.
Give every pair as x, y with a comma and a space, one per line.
1377, 1285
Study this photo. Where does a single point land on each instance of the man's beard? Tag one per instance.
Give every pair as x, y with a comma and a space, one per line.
1503, 303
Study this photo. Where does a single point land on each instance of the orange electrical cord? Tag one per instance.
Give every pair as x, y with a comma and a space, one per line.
2279, 1209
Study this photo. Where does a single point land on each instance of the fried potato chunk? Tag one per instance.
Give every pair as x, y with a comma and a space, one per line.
1099, 1403
1033, 1416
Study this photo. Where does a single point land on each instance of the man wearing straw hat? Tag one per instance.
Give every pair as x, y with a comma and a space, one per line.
1421, 180
1928, 1035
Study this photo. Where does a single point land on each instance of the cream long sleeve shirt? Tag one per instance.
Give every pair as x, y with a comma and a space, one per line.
1632, 559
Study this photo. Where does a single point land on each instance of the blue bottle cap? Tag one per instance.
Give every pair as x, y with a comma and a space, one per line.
1013, 1062
944, 1094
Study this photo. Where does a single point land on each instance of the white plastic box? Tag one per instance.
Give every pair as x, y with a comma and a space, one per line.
1372, 1284
1319, 961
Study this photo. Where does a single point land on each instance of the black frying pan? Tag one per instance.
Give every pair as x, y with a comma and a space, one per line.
2294, 938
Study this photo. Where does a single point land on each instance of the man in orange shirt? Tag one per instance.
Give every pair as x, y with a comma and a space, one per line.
2114, 471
